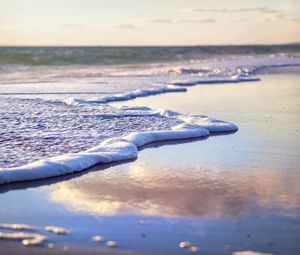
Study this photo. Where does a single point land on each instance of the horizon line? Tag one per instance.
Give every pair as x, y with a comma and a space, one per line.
157, 45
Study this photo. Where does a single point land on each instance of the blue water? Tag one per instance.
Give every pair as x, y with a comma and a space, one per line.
224, 194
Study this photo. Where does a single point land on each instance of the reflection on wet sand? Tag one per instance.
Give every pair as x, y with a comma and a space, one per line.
163, 190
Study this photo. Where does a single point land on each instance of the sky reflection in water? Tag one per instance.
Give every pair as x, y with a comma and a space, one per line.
239, 191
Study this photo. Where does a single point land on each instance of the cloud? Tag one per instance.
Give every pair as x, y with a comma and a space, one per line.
126, 26
262, 9
280, 17
268, 14
208, 20
284, 17
161, 21
240, 19
72, 25
181, 21
294, 19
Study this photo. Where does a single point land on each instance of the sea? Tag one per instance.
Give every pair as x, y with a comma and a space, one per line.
150, 147
55, 100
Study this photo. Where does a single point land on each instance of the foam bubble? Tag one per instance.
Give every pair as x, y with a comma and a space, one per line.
56, 230
17, 227
26, 238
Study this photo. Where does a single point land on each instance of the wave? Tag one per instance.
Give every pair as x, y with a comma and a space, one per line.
121, 145
115, 80
116, 149
34, 56
218, 80
125, 96
130, 55
176, 86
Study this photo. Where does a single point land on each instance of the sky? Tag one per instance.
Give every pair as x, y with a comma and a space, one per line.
149, 22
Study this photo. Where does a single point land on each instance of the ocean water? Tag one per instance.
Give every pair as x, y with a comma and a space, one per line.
226, 194
55, 100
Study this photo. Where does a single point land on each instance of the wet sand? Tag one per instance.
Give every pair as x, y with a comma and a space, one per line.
224, 194
13, 248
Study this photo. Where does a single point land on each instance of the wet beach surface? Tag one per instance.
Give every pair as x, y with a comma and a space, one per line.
223, 194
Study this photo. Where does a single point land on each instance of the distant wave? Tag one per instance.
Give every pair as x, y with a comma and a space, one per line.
130, 55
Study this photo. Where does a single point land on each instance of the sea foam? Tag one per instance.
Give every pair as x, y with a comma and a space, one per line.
28, 239
116, 149
126, 96
75, 130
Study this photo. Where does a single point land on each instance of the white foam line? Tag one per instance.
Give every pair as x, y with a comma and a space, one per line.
115, 149
174, 86
215, 81
126, 96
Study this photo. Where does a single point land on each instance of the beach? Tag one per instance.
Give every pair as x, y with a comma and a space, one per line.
224, 193
149, 127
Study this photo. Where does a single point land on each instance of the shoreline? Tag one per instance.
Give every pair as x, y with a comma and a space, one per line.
124, 148
117, 149
197, 191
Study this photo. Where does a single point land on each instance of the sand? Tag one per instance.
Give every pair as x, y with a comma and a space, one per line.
223, 194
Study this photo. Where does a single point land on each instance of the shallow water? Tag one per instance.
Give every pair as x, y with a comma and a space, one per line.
224, 194
33, 129
56, 108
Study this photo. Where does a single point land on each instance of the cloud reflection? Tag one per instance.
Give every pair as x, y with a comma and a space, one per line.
142, 189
